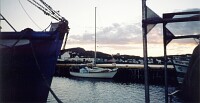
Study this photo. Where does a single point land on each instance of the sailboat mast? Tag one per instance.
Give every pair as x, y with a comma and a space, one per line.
95, 55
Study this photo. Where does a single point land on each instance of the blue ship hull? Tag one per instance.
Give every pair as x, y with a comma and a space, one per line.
27, 65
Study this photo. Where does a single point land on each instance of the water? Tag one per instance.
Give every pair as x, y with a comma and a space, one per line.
87, 90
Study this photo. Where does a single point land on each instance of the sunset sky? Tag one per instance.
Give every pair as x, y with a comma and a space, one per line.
118, 23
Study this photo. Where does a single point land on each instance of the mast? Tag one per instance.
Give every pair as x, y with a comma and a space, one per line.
95, 54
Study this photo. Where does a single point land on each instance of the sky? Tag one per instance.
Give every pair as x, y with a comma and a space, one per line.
118, 24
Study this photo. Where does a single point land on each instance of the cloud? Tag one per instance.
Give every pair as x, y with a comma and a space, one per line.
123, 34
120, 34
185, 28
115, 34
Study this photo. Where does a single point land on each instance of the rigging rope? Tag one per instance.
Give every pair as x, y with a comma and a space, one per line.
42, 8
28, 15
47, 9
55, 13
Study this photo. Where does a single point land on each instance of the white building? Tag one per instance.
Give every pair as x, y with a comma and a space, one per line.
64, 56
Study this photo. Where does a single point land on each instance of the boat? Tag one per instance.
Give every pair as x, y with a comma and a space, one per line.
181, 64
27, 62
93, 71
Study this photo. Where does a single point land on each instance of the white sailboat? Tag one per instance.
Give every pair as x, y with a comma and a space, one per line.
94, 71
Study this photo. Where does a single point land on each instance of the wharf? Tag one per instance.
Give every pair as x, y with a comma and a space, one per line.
129, 73
130, 66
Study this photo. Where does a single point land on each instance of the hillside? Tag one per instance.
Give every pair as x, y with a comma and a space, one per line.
83, 53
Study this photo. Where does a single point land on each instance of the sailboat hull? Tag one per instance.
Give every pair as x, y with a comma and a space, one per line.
95, 75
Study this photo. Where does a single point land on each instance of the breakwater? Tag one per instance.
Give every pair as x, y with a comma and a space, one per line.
130, 73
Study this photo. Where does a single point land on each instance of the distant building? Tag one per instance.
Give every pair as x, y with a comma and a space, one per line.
64, 56
78, 59
118, 54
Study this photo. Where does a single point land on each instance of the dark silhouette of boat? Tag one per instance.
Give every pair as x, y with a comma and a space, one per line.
27, 62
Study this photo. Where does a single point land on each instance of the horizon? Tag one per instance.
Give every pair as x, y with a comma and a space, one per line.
124, 54
119, 27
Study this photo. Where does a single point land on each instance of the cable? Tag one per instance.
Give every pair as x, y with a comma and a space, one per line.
28, 15
55, 13
46, 12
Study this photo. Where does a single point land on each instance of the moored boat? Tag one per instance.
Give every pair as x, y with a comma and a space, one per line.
27, 65
27, 62
95, 72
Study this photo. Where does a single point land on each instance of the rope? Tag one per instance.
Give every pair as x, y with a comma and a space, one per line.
43, 77
3, 18
55, 13
42, 8
28, 15
46, 9
23, 33
47, 27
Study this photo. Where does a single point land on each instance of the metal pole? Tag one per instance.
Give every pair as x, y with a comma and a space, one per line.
95, 55
165, 62
144, 31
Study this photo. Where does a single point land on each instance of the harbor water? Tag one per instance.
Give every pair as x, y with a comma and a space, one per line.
87, 90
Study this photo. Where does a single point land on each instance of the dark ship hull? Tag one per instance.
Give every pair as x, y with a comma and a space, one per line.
27, 64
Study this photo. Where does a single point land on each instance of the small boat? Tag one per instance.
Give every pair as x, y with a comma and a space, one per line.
181, 64
95, 72
27, 62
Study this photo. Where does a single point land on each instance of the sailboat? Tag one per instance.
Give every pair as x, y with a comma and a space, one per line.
27, 61
93, 71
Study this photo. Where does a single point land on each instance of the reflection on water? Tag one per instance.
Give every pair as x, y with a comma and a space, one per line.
87, 90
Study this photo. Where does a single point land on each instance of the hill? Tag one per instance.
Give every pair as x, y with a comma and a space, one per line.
87, 54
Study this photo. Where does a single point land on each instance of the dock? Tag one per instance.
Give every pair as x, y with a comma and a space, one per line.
129, 73
131, 66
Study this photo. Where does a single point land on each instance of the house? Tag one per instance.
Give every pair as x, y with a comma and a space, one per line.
64, 57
